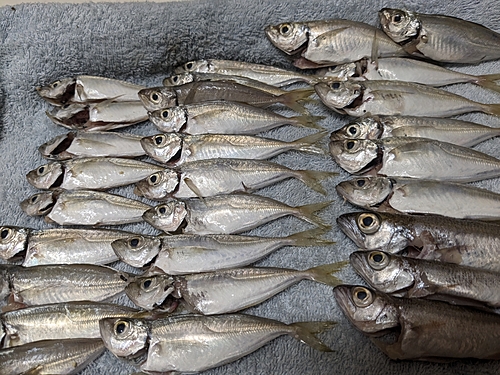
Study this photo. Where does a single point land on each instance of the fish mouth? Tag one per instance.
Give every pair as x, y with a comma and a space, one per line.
349, 227
342, 191
342, 294
357, 261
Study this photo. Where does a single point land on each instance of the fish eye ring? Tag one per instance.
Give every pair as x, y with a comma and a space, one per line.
121, 327
378, 260
362, 297
5, 233
368, 223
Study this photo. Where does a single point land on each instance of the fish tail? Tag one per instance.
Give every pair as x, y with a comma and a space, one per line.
310, 237
305, 332
307, 213
313, 178
323, 274
307, 121
488, 82
291, 99
310, 143
492, 109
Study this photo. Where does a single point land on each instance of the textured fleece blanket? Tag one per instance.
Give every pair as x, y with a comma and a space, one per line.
140, 42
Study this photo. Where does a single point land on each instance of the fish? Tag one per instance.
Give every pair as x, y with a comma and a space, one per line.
359, 98
223, 117
225, 291
331, 42
427, 330
175, 149
409, 196
40, 285
59, 245
409, 70
439, 37
418, 278
90, 173
100, 116
226, 214
84, 207
60, 321
156, 98
83, 144
205, 178
457, 132
212, 340
52, 357
58, 92
270, 75
190, 253
417, 158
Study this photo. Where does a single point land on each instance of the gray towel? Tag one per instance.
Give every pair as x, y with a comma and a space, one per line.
140, 42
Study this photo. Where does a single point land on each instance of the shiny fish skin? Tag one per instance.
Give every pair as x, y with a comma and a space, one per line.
84, 207
359, 98
71, 320
51, 357
190, 253
94, 144
418, 158
212, 340
223, 117
13, 240
90, 173
41, 285
418, 278
440, 38
428, 328
164, 148
458, 132
421, 197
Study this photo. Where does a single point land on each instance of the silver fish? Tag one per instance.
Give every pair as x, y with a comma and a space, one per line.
50, 357
409, 70
421, 196
84, 207
440, 38
331, 42
225, 291
418, 278
458, 132
59, 246
205, 178
90, 173
58, 92
212, 340
190, 253
223, 117
264, 73
414, 158
359, 98
94, 144
427, 329
165, 148
42, 285
60, 321
226, 214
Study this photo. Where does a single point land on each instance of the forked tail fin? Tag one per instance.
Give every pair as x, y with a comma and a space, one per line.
306, 331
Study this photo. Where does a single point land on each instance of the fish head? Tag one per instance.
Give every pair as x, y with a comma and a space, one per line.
338, 94
58, 92
167, 216
178, 79
46, 176
169, 120
124, 337
136, 250
288, 37
39, 204
13, 240
400, 25
200, 66
383, 271
365, 191
159, 185
355, 155
367, 310
150, 291
339, 72
55, 149
155, 98
162, 147
366, 128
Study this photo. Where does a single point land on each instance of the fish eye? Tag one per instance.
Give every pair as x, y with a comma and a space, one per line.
154, 97
189, 65
154, 179
362, 297
5, 233
397, 18
41, 170
285, 29
175, 79
162, 210
368, 223
146, 284
361, 182
351, 145
353, 129
159, 139
121, 327
65, 106
378, 260
55, 84
34, 198
134, 242
165, 114
335, 85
